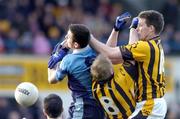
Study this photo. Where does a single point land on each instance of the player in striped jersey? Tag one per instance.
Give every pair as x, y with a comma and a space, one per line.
147, 50
113, 88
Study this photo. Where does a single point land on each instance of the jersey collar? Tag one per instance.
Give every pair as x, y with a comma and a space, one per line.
102, 82
155, 38
75, 51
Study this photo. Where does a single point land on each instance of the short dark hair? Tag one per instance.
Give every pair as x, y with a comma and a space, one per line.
81, 34
154, 18
53, 105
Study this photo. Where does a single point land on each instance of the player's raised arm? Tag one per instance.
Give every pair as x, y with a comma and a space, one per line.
57, 55
112, 40
118, 27
133, 35
113, 53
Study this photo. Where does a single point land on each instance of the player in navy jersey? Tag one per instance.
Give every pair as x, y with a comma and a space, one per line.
76, 66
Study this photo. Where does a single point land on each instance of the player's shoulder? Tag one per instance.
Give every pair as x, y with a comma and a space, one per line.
140, 44
67, 58
89, 50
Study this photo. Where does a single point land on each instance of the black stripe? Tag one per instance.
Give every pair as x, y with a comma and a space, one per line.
103, 94
123, 94
163, 92
150, 69
126, 54
95, 93
157, 41
109, 85
102, 90
117, 103
159, 76
156, 38
137, 93
131, 69
96, 97
144, 82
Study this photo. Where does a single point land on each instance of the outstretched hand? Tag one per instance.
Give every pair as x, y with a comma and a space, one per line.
121, 21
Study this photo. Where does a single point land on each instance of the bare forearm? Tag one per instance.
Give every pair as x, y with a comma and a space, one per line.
111, 52
112, 40
100, 47
133, 36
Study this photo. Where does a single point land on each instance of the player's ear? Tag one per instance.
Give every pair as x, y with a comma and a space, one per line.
152, 28
76, 45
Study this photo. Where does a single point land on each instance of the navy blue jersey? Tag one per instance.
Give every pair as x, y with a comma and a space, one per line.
77, 67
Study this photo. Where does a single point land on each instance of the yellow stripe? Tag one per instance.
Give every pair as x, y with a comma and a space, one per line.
140, 89
148, 81
156, 70
93, 84
98, 91
120, 98
106, 90
130, 89
115, 93
122, 101
148, 107
155, 67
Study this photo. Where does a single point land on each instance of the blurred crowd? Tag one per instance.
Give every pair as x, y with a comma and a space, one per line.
9, 109
35, 26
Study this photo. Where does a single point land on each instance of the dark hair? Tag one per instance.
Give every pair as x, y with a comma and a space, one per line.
81, 34
153, 18
53, 105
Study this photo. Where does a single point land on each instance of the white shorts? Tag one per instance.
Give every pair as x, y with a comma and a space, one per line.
150, 109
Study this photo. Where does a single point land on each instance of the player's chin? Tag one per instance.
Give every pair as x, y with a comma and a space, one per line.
69, 46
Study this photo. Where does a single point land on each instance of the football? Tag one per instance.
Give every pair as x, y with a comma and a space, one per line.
26, 94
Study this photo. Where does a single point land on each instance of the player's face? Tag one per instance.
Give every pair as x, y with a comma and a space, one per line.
69, 38
143, 30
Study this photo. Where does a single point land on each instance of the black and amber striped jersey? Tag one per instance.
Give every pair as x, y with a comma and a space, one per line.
115, 94
150, 58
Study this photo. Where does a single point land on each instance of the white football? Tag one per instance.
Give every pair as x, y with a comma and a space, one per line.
26, 94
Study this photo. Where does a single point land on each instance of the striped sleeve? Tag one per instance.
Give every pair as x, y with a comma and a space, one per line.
137, 51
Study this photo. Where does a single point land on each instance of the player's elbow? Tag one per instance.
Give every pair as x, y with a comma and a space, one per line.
52, 76
52, 80
114, 55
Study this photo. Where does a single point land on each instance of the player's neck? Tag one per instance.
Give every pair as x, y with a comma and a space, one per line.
79, 50
151, 36
55, 118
